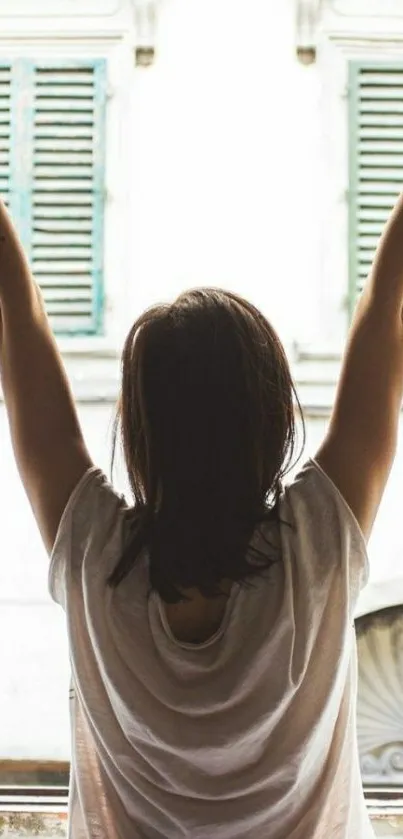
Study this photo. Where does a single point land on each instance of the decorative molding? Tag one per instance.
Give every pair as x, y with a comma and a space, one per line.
379, 8
386, 767
308, 15
379, 596
380, 690
145, 14
60, 8
362, 22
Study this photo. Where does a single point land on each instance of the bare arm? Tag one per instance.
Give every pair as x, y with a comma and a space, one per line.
47, 440
360, 446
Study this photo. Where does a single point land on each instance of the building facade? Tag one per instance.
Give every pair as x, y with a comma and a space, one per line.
152, 145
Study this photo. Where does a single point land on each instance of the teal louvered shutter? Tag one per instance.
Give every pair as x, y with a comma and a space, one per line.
55, 169
376, 161
5, 131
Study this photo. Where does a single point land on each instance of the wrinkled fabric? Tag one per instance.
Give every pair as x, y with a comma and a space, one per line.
251, 735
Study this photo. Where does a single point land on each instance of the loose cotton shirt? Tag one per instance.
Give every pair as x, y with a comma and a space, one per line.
250, 735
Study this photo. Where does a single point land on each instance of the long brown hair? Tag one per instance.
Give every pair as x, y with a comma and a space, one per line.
207, 423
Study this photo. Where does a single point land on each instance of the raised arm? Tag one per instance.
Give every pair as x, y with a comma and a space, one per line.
47, 440
360, 445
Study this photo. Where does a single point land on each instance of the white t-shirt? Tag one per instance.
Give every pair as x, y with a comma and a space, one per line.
250, 735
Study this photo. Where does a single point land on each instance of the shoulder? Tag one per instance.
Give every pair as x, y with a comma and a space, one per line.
91, 527
320, 529
313, 493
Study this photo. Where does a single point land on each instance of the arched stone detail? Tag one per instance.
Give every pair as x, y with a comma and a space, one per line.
380, 696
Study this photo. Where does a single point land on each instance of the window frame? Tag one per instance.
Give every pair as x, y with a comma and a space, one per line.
22, 178
92, 362
354, 69
343, 39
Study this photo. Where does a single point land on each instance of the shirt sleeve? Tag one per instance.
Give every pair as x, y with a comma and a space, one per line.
327, 541
90, 528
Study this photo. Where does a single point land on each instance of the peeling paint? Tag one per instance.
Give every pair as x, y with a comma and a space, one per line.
51, 825
30, 825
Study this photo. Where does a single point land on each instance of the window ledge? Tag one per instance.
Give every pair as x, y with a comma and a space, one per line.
91, 346
94, 376
316, 369
317, 352
93, 370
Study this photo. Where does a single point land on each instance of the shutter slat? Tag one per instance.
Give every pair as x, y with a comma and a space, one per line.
382, 121
383, 93
376, 154
62, 266
55, 131
381, 146
380, 107
370, 157
60, 76
58, 185
61, 226
56, 155
63, 238
385, 173
68, 118
379, 77
377, 188
71, 324
75, 214
80, 108
67, 255
54, 145
66, 307
76, 201
65, 169
373, 214
63, 296
5, 134
373, 228
52, 90
381, 134
70, 281
367, 242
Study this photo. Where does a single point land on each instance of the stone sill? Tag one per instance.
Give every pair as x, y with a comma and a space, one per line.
30, 808
16, 825
94, 377
49, 825
94, 374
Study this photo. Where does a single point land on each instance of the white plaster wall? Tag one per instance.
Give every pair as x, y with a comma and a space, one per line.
224, 169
